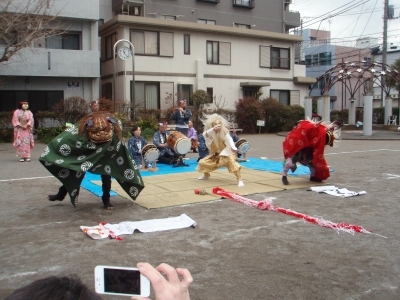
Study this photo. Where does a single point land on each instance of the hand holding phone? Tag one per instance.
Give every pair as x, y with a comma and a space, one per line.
123, 281
171, 289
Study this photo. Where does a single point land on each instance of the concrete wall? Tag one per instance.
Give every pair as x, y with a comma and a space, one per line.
63, 63
75, 9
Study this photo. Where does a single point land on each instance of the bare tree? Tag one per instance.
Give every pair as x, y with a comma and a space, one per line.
22, 23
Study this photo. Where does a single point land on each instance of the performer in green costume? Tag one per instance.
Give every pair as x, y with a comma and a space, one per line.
95, 145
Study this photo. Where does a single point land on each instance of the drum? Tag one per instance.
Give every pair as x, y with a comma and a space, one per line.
179, 142
150, 152
243, 146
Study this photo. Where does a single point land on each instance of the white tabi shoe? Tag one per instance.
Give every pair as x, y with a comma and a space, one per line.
240, 183
204, 177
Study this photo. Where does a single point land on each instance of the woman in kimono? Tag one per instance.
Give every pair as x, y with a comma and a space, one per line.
135, 146
22, 122
192, 135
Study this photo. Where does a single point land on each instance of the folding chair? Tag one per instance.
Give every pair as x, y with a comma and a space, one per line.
392, 120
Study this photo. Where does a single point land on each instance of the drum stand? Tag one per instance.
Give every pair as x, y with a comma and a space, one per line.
180, 162
153, 169
243, 158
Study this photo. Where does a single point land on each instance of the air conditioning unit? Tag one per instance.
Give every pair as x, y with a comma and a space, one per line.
394, 96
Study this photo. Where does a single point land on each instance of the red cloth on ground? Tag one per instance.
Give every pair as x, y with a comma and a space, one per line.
308, 134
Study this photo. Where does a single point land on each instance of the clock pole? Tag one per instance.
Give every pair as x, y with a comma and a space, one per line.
124, 53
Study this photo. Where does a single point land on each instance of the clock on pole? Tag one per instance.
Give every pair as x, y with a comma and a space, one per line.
124, 53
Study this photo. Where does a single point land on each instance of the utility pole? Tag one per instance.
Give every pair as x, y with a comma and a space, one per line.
384, 48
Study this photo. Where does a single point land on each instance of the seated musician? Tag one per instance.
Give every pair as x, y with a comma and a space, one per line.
192, 135
135, 146
160, 138
235, 138
203, 150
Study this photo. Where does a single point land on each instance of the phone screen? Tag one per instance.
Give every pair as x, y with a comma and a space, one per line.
122, 281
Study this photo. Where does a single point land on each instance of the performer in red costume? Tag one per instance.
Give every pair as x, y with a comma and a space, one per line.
306, 144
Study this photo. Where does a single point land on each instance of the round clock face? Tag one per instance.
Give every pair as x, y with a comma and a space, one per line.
124, 53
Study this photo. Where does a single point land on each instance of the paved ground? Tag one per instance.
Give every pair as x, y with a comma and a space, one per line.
235, 252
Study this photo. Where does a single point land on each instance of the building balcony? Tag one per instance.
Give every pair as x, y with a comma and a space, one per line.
53, 63
292, 19
244, 3
128, 7
71, 9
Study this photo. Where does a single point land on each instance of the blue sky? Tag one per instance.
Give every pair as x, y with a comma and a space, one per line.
365, 18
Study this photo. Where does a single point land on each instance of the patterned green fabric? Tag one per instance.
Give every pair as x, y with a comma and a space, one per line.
70, 155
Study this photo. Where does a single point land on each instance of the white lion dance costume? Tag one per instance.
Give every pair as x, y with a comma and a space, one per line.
222, 148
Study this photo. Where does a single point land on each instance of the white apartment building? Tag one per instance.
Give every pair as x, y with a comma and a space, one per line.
178, 58
58, 67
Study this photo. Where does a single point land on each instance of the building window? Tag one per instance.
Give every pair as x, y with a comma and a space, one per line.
65, 41
147, 94
218, 53
282, 96
244, 3
213, 1
107, 46
204, 21
320, 59
250, 92
367, 62
168, 17
185, 91
153, 43
241, 25
325, 58
106, 90
265, 56
38, 100
210, 92
186, 44
280, 58
308, 60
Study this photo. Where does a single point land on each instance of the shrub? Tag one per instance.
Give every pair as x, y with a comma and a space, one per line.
70, 110
340, 115
201, 99
148, 123
275, 115
292, 114
6, 130
106, 105
46, 134
148, 113
6, 135
148, 133
248, 111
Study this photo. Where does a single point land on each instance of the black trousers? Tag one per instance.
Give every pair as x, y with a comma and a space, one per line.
106, 188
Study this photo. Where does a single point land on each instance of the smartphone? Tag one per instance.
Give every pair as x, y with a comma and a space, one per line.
122, 281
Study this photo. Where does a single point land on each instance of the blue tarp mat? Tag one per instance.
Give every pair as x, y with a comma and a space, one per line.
252, 163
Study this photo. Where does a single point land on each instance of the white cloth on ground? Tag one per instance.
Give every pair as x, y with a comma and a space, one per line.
127, 227
335, 191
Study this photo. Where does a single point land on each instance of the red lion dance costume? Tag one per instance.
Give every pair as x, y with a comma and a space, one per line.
306, 144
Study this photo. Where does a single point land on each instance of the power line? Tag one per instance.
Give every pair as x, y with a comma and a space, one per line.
330, 15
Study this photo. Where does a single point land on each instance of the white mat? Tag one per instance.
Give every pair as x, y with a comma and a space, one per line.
102, 231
